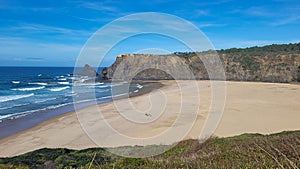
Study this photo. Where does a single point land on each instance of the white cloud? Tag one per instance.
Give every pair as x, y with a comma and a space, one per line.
208, 3
205, 25
284, 21
47, 29
100, 6
100, 19
258, 11
200, 12
17, 7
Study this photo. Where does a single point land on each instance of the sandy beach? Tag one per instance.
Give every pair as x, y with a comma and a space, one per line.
153, 118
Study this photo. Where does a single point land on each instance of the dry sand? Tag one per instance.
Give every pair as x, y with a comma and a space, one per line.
250, 107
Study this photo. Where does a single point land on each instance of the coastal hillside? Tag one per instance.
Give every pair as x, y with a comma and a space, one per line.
273, 63
244, 151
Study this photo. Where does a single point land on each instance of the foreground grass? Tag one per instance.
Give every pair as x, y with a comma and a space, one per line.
280, 150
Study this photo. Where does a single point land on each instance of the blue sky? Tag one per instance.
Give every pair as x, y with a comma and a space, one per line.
52, 33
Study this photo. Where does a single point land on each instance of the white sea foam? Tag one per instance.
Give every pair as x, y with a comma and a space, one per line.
63, 83
15, 82
18, 105
105, 97
71, 95
73, 78
57, 89
118, 95
56, 106
21, 114
5, 116
62, 79
39, 83
104, 86
14, 97
116, 84
29, 89
139, 86
87, 100
44, 100
13, 116
18, 115
88, 84
83, 80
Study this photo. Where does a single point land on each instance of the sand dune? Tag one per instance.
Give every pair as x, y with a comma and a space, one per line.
165, 116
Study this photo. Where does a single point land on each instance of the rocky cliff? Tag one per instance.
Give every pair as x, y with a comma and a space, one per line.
88, 71
268, 64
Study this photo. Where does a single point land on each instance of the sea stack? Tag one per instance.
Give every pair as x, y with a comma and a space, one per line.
88, 71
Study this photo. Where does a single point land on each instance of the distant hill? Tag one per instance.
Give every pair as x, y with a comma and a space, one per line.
272, 63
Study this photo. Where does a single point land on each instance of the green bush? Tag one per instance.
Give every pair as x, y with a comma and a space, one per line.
249, 63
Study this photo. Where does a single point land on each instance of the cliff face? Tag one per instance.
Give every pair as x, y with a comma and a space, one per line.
149, 67
268, 68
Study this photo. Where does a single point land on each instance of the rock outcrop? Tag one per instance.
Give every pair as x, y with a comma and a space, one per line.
103, 75
88, 71
238, 66
268, 68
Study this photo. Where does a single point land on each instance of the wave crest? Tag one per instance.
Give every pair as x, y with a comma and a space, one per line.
59, 89
15, 82
39, 83
14, 97
29, 89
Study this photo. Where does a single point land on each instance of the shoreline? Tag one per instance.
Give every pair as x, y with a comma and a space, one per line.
251, 107
10, 127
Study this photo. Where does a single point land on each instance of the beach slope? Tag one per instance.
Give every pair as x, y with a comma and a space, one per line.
250, 107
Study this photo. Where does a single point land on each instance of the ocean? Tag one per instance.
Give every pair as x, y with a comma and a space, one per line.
29, 95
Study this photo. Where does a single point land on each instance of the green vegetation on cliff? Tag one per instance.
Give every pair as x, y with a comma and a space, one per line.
245, 151
292, 48
275, 48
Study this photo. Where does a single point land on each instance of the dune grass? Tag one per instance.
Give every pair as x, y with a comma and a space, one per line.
281, 150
